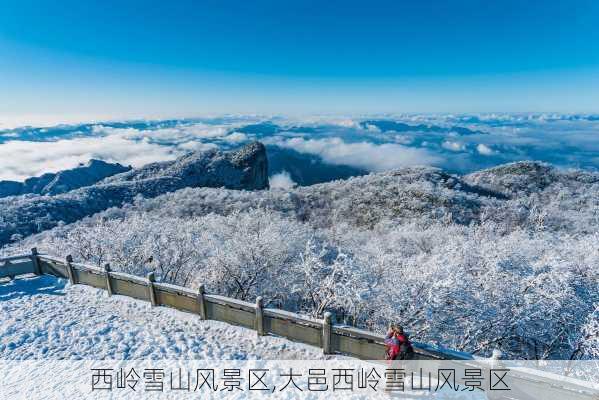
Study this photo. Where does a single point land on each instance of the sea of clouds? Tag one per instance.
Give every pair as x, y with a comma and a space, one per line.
458, 143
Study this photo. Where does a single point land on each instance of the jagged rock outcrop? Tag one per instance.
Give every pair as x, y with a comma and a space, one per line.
63, 181
246, 168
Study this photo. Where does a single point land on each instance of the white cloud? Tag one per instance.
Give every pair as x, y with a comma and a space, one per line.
236, 137
345, 122
484, 149
370, 156
196, 146
282, 180
176, 134
20, 160
373, 128
453, 146
206, 131
402, 139
560, 140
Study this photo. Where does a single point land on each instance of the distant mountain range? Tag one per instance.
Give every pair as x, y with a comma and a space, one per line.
63, 181
386, 125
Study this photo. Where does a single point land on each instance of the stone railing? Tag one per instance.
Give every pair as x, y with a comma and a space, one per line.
333, 339
301, 328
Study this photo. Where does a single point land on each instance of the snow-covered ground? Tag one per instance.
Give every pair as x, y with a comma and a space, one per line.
47, 318
54, 335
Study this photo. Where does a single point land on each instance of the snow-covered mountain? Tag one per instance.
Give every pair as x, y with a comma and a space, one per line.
412, 194
242, 169
63, 181
501, 258
525, 178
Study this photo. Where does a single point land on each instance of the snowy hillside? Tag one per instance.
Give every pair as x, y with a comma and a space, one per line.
62, 181
245, 168
45, 317
462, 262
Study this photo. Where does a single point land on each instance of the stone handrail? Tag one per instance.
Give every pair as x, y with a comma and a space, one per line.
333, 339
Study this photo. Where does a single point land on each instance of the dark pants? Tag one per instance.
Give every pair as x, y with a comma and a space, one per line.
405, 352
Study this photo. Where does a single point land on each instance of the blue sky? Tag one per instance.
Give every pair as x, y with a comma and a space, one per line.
104, 59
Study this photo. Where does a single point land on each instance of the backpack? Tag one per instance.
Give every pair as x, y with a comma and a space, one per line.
392, 352
406, 351
398, 348
393, 347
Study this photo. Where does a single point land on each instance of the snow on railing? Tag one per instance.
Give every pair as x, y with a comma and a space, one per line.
322, 333
20, 264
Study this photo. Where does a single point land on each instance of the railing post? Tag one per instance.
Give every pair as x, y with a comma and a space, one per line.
36, 262
496, 358
495, 363
151, 279
259, 321
70, 272
108, 282
326, 333
496, 354
202, 302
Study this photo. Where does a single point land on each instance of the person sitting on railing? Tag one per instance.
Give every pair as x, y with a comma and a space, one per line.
397, 343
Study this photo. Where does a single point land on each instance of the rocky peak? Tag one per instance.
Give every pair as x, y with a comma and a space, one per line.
246, 168
254, 163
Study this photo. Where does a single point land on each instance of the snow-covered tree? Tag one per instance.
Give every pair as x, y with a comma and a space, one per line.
503, 259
